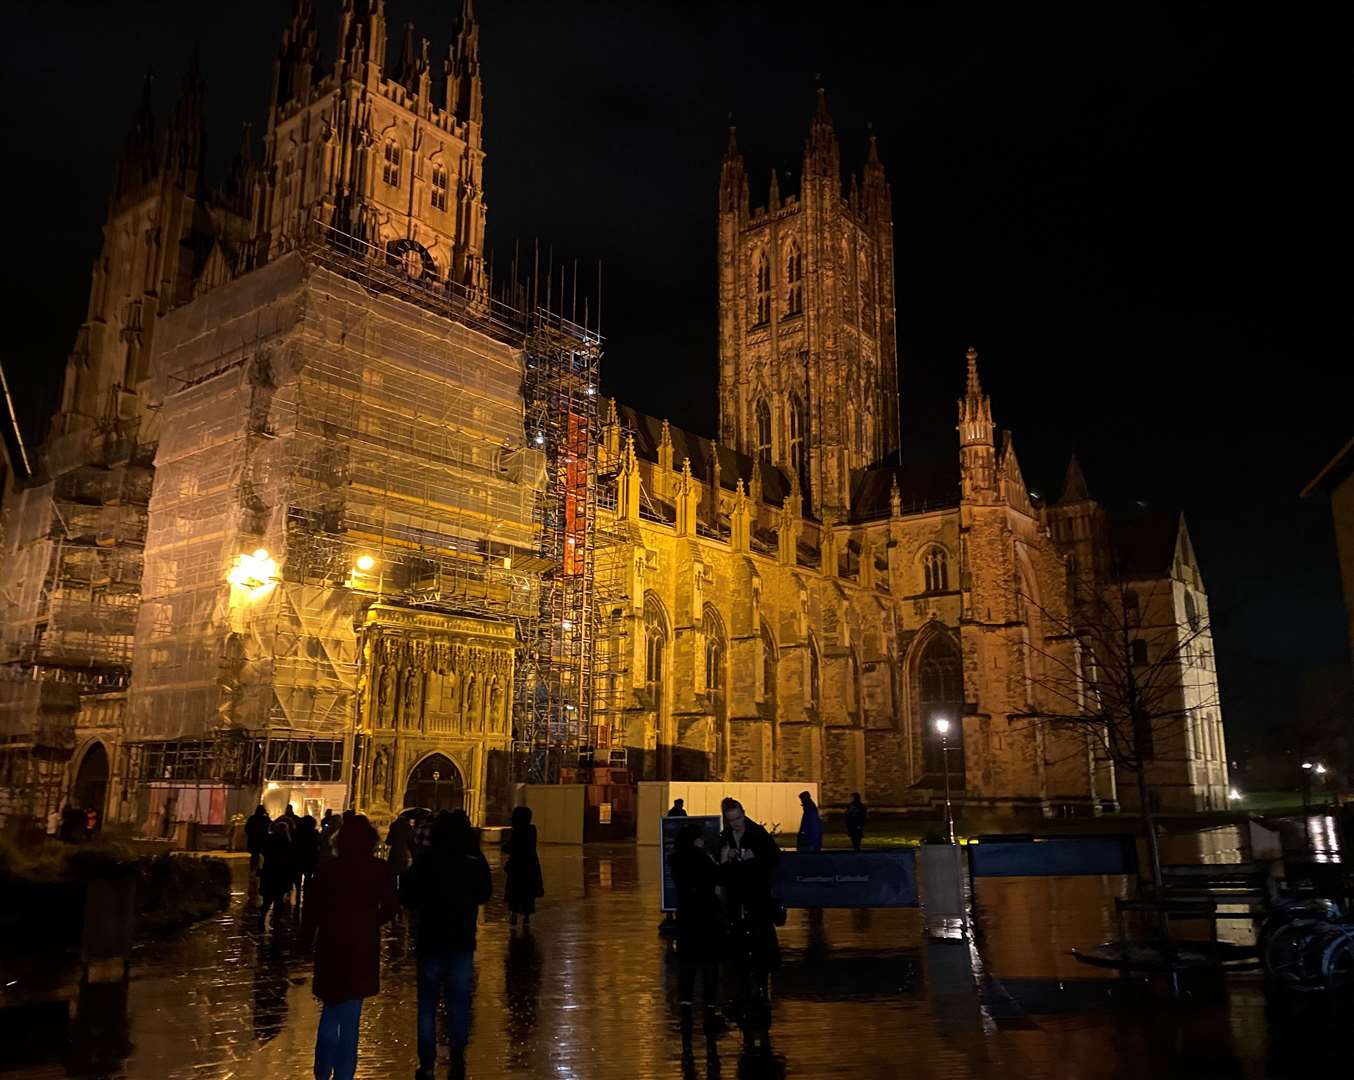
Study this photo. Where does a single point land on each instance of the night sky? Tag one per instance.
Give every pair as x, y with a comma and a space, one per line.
1135, 212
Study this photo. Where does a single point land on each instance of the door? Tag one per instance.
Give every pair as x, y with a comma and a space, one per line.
436, 784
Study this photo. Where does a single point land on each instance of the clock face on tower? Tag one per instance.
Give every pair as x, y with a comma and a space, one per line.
412, 259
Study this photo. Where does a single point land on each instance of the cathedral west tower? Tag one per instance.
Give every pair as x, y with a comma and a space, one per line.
807, 337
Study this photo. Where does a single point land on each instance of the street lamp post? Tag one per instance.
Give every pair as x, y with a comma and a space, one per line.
1307, 768
943, 729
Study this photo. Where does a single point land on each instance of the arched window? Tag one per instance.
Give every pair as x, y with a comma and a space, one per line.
439, 187
794, 279
655, 646
288, 168
866, 295
815, 676
716, 649
940, 695
799, 439
763, 289
1191, 611
936, 570
763, 412
768, 667
391, 171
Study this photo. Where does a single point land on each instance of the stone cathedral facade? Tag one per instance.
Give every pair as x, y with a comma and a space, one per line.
792, 600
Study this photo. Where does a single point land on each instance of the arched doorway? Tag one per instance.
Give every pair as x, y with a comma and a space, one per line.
940, 695
91, 779
436, 784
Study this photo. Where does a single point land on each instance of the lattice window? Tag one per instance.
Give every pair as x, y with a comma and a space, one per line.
391, 171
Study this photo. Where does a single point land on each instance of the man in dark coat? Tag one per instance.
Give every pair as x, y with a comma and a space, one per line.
810, 837
678, 808
525, 883
855, 820
348, 900
445, 887
256, 836
700, 930
279, 869
747, 861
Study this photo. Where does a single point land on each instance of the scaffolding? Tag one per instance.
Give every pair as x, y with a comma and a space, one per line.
383, 440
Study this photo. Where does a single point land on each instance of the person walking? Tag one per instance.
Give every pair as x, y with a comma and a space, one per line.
678, 808
289, 816
700, 932
747, 861
306, 853
445, 888
400, 845
279, 869
525, 884
349, 899
256, 836
855, 820
810, 826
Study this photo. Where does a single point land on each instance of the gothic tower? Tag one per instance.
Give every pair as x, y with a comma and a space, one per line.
377, 154
807, 347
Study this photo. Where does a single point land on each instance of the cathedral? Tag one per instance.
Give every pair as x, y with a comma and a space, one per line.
283, 541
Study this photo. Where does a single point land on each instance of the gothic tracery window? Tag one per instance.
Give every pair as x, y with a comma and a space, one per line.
715, 649
799, 438
815, 676
866, 295
768, 667
439, 187
936, 570
763, 289
794, 280
940, 695
763, 411
391, 171
655, 645
288, 167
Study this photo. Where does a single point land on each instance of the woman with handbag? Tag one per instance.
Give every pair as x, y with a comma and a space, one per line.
700, 932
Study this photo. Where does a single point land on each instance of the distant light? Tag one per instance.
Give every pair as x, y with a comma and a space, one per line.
942, 726
1306, 764
273, 785
1234, 794
540, 438
592, 390
507, 562
567, 624
254, 572
1321, 770
1034, 494
365, 563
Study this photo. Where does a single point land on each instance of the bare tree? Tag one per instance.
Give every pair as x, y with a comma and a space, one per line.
1126, 683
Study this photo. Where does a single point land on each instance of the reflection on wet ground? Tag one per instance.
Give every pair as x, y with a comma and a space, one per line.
590, 992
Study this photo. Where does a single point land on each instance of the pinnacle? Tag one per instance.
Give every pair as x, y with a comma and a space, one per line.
975, 388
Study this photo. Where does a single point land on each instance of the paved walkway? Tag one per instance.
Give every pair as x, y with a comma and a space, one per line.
590, 994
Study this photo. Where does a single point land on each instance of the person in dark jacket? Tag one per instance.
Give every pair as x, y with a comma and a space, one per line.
279, 869
350, 898
525, 883
747, 862
855, 820
306, 854
256, 836
400, 845
445, 888
810, 837
678, 808
700, 930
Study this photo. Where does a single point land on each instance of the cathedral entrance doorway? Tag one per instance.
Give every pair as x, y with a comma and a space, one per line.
91, 779
435, 783
940, 692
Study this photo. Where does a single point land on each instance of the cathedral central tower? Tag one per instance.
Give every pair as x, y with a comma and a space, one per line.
807, 346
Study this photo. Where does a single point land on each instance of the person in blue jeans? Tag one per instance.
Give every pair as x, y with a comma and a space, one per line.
349, 899
445, 888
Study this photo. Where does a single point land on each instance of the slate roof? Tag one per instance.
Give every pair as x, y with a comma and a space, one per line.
924, 483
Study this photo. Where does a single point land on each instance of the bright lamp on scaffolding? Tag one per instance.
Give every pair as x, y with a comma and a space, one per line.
254, 572
540, 438
364, 563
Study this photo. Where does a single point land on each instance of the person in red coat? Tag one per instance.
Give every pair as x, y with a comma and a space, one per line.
351, 897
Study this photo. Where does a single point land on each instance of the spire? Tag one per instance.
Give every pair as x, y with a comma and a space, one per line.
408, 77
875, 196
362, 38
773, 200
977, 448
465, 93
1074, 484
188, 133
822, 156
296, 69
138, 165
733, 181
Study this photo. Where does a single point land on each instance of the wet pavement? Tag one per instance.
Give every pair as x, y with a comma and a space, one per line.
590, 993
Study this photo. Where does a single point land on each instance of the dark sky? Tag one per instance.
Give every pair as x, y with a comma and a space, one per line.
1134, 211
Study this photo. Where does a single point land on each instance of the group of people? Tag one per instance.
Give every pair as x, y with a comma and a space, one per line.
727, 913
434, 869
